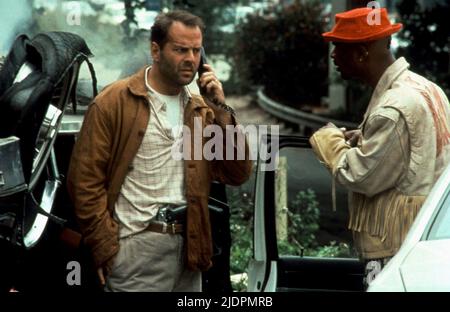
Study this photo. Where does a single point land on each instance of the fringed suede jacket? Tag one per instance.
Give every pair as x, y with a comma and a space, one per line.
404, 147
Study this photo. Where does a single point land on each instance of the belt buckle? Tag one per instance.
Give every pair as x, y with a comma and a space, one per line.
173, 228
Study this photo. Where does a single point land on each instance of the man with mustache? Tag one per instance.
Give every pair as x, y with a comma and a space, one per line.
401, 147
125, 181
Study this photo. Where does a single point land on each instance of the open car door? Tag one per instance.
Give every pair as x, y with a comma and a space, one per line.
300, 243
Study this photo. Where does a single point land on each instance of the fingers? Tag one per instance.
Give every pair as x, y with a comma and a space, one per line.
208, 77
352, 137
209, 83
212, 86
101, 276
207, 69
352, 141
352, 133
349, 134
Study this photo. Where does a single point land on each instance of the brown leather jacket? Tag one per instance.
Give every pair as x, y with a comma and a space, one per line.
113, 129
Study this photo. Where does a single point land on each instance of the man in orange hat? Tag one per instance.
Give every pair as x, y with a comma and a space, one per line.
401, 147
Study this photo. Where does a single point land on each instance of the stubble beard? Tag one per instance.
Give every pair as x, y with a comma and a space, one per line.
172, 73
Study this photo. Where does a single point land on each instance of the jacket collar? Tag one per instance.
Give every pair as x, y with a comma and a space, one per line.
385, 83
136, 85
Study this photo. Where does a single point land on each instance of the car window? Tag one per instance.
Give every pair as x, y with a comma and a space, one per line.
441, 225
306, 223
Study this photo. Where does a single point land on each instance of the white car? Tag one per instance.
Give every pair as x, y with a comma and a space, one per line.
422, 263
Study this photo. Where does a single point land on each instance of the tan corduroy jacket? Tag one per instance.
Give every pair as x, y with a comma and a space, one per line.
404, 147
112, 131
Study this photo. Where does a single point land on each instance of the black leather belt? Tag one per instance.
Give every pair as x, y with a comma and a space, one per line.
164, 228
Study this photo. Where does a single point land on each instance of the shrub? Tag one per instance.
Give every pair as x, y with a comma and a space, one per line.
241, 223
303, 219
283, 51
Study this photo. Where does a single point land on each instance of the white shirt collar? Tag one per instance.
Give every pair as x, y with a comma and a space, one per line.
185, 93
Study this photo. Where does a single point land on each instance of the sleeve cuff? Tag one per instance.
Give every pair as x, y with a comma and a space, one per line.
329, 146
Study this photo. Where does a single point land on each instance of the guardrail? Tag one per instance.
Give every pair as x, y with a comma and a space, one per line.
295, 116
71, 124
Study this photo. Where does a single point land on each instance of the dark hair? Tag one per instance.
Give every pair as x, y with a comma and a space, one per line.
160, 29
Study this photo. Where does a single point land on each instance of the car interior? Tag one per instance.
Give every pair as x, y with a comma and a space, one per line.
322, 262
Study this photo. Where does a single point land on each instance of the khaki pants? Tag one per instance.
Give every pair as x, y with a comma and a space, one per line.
151, 261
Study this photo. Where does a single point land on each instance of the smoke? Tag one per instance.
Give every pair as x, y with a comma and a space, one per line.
104, 35
15, 17
112, 59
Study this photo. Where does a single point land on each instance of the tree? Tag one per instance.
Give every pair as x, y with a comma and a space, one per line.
283, 51
130, 18
427, 34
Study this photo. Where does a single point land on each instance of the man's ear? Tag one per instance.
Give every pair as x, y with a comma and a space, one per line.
155, 51
362, 53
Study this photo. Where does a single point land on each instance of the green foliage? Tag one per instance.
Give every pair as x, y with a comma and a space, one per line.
241, 222
283, 51
303, 216
427, 34
334, 250
303, 221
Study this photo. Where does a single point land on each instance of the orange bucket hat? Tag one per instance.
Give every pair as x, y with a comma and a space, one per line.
357, 26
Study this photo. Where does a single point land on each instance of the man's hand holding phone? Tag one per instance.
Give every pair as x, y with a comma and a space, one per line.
210, 87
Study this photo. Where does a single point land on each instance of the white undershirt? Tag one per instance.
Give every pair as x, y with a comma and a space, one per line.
169, 105
157, 178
